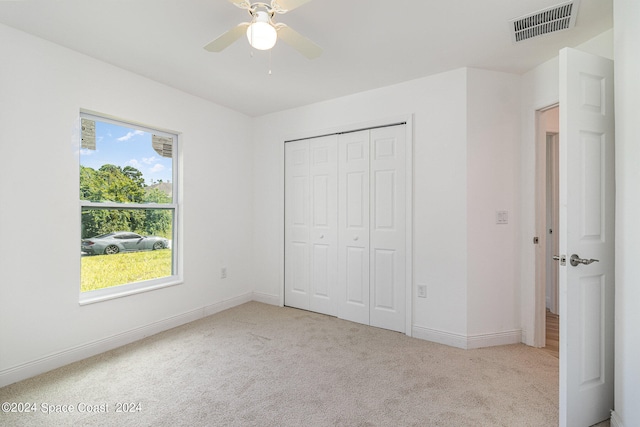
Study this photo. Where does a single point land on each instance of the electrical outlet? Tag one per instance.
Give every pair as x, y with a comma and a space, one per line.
223, 273
422, 291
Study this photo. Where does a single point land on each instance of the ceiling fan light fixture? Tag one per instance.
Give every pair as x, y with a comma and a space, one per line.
261, 34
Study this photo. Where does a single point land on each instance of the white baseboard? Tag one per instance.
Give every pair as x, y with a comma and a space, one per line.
498, 338
266, 298
440, 337
468, 342
615, 420
226, 304
74, 354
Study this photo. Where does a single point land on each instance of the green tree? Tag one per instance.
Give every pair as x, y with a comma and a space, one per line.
90, 185
158, 222
120, 186
101, 221
112, 183
134, 175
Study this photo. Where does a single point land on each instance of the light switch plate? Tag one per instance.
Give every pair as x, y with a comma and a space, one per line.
422, 291
502, 217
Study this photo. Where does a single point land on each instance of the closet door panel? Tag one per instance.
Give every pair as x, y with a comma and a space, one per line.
356, 190
387, 254
353, 225
384, 279
384, 196
297, 224
324, 224
357, 289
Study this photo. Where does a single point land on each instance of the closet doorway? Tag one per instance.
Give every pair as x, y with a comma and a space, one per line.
347, 225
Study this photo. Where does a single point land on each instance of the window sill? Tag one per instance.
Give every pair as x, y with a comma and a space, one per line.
114, 292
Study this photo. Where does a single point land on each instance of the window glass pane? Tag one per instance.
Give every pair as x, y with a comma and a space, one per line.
124, 165
121, 246
127, 207
102, 223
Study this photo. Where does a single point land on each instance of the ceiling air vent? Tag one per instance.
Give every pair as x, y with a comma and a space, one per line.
550, 20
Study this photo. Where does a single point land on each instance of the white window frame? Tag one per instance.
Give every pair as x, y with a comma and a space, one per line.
104, 294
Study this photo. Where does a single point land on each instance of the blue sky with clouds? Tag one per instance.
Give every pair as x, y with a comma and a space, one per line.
123, 146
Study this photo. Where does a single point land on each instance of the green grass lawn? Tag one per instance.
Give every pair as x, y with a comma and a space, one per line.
103, 271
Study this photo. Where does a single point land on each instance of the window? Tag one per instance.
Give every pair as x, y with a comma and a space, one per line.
128, 205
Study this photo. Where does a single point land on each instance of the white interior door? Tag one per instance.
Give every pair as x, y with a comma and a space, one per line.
297, 225
587, 230
387, 228
372, 227
353, 219
323, 171
311, 224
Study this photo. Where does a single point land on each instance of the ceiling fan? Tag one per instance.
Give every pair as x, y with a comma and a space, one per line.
262, 32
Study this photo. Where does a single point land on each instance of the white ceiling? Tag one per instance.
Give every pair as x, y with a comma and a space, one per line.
367, 44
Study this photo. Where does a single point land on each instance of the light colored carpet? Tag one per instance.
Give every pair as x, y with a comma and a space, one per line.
260, 365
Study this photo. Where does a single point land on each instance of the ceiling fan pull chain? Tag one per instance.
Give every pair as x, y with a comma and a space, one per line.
270, 61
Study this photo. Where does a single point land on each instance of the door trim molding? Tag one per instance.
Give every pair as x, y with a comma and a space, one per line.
615, 420
541, 226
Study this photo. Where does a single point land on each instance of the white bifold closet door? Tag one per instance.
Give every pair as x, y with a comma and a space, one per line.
372, 221
345, 232
311, 228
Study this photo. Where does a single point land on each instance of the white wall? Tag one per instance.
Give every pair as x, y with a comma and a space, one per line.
42, 89
438, 105
540, 89
441, 195
493, 143
627, 71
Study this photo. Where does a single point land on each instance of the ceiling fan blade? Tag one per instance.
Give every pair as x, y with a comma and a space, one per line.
227, 38
242, 4
283, 6
298, 41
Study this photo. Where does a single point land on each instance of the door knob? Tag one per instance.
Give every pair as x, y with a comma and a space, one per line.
322, 236
355, 238
575, 260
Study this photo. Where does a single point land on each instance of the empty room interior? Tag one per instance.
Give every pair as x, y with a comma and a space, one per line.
318, 212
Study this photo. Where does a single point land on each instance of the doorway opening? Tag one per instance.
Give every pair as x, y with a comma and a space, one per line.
547, 225
552, 314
